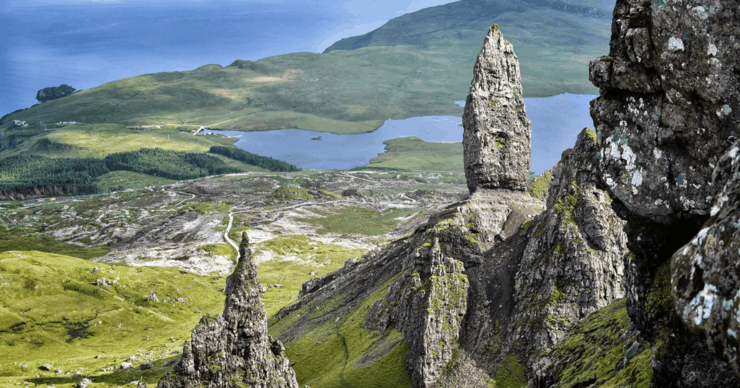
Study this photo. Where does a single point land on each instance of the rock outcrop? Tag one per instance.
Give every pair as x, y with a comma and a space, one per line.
572, 265
706, 279
53, 93
234, 349
542, 278
490, 285
669, 108
497, 135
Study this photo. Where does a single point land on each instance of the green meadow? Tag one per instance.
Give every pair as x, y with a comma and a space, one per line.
52, 313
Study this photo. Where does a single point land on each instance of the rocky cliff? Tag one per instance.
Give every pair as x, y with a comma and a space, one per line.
668, 111
704, 273
54, 93
234, 349
484, 291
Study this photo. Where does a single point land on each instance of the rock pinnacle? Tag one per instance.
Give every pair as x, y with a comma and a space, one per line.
497, 134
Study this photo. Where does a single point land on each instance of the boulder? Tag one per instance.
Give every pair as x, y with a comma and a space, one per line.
84, 383
53, 93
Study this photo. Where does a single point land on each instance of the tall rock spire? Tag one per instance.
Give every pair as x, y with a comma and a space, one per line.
234, 349
497, 134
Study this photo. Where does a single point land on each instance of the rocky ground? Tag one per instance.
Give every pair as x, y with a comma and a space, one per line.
180, 224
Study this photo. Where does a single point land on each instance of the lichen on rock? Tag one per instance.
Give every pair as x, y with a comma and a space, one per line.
705, 272
667, 112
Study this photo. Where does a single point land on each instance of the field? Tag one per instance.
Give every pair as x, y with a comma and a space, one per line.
53, 314
411, 153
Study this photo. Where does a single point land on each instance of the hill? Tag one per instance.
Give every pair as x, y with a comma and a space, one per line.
415, 65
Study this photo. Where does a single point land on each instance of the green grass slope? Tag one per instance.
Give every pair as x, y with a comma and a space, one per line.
601, 351
26, 238
554, 40
51, 312
79, 144
412, 153
296, 257
342, 92
338, 352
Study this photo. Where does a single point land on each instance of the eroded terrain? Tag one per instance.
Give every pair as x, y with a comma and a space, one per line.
301, 225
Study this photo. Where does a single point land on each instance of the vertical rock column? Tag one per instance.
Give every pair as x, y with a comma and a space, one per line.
497, 134
234, 349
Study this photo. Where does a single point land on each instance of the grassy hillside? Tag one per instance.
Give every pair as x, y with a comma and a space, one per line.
554, 40
51, 312
352, 356
98, 142
412, 153
603, 350
415, 65
343, 92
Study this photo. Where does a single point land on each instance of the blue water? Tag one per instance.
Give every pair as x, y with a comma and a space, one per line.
87, 43
343, 151
556, 122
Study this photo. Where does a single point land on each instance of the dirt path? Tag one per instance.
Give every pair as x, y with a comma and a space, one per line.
226, 234
184, 200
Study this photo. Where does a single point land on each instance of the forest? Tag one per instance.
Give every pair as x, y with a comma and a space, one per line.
255, 160
27, 176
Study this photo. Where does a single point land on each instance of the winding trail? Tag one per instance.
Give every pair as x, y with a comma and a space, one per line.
184, 200
226, 234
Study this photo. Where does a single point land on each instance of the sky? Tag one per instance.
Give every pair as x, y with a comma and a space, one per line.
85, 43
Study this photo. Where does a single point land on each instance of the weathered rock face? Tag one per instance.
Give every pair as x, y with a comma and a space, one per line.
489, 285
540, 279
573, 261
53, 93
706, 278
427, 305
234, 349
668, 110
497, 135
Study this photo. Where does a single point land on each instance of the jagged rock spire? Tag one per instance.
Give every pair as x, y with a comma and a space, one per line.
234, 349
497, 134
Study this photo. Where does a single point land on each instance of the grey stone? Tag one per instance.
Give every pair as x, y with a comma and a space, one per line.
668, 110
234, 349
706, 281
152, 297
146, 366
84, 383
53, 93
497, 133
